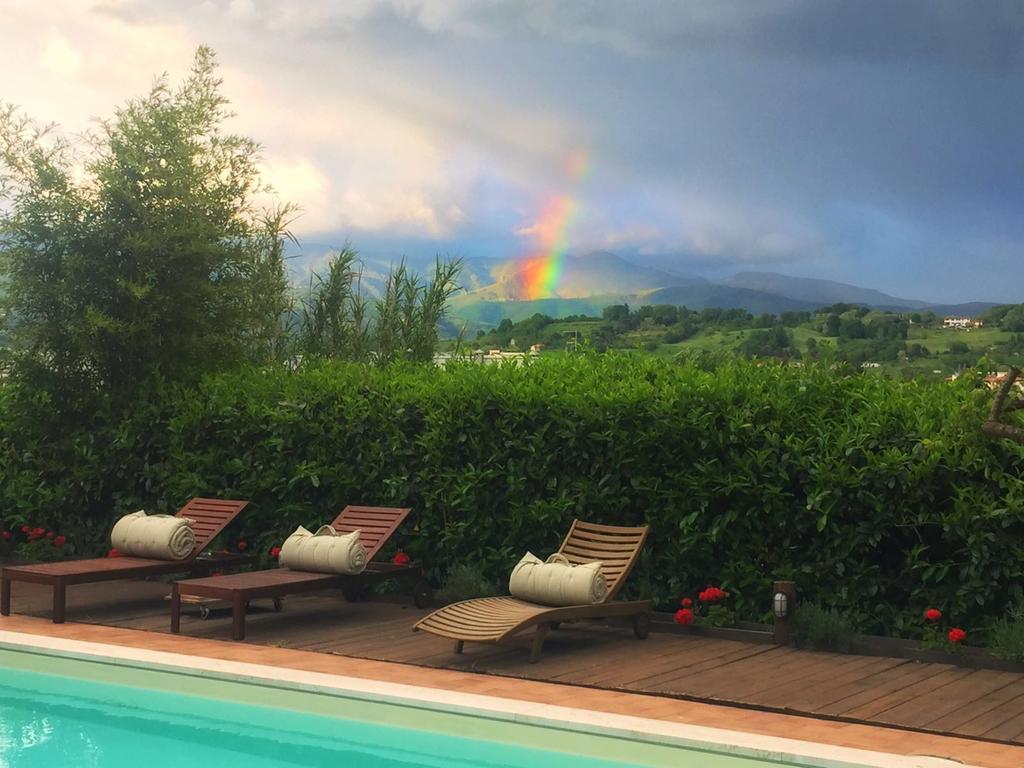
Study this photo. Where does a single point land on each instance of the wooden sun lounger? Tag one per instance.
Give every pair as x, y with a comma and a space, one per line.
375, 526
498, 619
211, 516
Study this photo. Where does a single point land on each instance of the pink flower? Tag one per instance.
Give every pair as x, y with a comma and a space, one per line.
59, 541
686, 602
50, 534
932, 615
275, 551
957, 635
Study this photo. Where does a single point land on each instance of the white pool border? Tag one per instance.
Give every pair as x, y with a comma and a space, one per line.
586, 721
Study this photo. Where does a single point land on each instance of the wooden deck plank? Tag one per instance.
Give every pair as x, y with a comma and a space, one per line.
876, 709
969, 711
924, 709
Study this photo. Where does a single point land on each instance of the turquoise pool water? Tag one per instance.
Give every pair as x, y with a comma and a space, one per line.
49, 721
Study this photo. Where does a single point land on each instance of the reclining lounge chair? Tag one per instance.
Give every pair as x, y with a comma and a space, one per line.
375, 526
497, 619
210, 516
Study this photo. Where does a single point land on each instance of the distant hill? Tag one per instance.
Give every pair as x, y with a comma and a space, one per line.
817, 292
970, 309
487, 314
724, 296
494, 289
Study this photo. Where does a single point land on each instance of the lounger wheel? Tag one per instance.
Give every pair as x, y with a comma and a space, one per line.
422, 595
353, 593
204, 612
641, 626
278, 604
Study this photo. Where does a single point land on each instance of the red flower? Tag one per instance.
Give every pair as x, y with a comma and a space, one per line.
6, 535
684, 616
50, 534
113, 553
686, 602
956, 635
25, 529
59, 541
242, 545
932, 615
712, 595
37, 532
401, 558
275, 551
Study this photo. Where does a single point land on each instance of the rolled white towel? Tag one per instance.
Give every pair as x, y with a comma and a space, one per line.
161, 537
557, 582
325, 551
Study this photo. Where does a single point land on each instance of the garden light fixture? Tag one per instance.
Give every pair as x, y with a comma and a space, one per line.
780, 605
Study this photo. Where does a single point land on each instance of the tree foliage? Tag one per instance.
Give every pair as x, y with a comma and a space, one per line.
338, 322
141, 248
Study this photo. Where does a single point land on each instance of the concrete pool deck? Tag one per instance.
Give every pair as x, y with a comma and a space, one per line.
867, 737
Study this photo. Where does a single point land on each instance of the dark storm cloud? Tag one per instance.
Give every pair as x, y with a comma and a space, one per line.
877, 140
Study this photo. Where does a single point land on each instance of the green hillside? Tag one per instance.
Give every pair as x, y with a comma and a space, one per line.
899, 343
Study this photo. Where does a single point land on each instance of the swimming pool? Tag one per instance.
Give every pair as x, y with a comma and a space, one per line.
65, 703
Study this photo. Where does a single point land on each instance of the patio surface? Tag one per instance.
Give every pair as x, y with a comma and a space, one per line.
982, 709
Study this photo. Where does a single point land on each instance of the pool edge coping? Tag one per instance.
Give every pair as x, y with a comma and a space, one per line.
723, 741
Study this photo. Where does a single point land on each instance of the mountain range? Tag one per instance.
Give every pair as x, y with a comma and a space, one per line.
497, 289
590, 282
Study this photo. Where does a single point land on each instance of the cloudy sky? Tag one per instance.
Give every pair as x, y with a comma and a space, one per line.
869, 141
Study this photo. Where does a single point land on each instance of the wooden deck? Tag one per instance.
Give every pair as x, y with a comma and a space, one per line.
936, 698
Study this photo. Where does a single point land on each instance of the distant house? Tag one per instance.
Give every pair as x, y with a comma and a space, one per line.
962, 323
481, 357
994, 380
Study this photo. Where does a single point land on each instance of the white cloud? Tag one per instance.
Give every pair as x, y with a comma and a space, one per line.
59, 57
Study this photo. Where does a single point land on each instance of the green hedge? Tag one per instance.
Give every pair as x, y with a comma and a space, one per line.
874, 495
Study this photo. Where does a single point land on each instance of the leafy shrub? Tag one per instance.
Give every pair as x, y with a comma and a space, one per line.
876, 496
466, 581
1006, 635
823, 629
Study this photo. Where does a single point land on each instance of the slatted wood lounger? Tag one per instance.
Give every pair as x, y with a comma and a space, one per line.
375, 526
498, 619
211, 516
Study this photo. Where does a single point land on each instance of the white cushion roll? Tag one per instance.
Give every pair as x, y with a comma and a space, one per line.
161, 537
557, 582
325, 551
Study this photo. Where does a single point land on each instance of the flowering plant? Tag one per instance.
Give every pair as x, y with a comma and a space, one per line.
35, 542
401, 558
936, 636
708, 609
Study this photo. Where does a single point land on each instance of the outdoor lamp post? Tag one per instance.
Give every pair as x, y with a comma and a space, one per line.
783, 608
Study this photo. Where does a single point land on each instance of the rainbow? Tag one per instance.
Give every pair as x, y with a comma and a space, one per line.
540, 271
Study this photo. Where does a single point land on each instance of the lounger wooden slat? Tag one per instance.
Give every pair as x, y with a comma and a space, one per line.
499, 619
376, 525
216, 515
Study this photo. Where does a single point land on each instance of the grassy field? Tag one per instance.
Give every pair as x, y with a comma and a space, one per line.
980, 342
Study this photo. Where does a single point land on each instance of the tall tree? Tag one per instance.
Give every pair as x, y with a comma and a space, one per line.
141, 248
